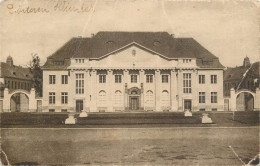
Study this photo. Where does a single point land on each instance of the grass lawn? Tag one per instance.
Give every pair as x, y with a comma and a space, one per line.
130, 146
56, 120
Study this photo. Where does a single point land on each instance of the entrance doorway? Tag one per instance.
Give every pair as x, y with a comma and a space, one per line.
19, 102
134, 103
79, 105
187, 105
245, 102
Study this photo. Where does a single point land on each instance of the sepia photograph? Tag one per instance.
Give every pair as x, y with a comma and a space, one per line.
129, 82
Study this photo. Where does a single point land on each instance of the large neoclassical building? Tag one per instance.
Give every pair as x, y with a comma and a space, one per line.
131, 71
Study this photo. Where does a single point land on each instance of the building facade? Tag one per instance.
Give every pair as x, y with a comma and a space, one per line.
130, 71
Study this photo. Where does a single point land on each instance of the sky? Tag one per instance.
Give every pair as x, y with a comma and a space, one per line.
228, 29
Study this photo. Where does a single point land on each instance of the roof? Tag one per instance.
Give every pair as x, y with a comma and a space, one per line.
18, 72
236, 73
104, 43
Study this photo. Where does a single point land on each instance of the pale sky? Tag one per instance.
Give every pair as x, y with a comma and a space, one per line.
228, 29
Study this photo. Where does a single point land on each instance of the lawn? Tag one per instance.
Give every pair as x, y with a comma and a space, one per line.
56, 120
130, 146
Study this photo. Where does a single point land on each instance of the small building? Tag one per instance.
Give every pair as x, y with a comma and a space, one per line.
132, 71
13, 78
243, 78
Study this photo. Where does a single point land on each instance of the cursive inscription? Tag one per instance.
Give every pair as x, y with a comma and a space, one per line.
60, 6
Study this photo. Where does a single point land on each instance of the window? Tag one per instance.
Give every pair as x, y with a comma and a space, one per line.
64, 79
164, 78
213, 79
214, 109
51, 97
214, 97
186, 83
149, 99
64, 97
202, 97
64, 110
118, 78
202, 109
52, 79
149, 78
201, 79
102, 98
102, 78
186, 60
79, 60
134, 78
118, 98
51, 110
80, 83
165, 98
15, 85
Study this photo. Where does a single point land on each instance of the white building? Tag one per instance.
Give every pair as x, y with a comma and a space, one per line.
121, 71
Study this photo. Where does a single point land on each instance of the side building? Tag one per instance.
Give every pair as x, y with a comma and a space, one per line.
13, 78
243, 78
131, 71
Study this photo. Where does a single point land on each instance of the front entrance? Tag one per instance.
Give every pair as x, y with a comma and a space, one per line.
134, 103
79, 105
187, 105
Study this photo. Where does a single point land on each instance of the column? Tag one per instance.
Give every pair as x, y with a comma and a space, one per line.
256, 100
110, 91
142, 89
233, 100
87, 84
126, 73
179, 90
93, 92
157, 90
174, 89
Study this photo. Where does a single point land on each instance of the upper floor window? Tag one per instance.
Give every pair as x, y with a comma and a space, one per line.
51, 97
213, 79
186, 83
102, 78
118, 78
79, 60
64, 97
80, 83
134, 78
165, 78
201, 79
52, 79
149, 78
202, 97
186, 60
214, 97
64, 79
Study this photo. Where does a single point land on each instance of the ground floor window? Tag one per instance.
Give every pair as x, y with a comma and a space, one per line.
202, 97
102, 98
118, 98
51, 97
165, 98
149, 99
214, 97
64, 97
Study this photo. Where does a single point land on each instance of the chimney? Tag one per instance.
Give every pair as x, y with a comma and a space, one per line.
92, 34
172, 35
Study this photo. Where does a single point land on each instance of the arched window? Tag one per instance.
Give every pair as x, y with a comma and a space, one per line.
118, 98
102, 98
149, 99
165, 98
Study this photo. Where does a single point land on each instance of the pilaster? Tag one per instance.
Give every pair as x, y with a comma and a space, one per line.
174, 89
157, 90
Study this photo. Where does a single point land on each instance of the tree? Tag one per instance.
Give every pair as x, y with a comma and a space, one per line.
36, 70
